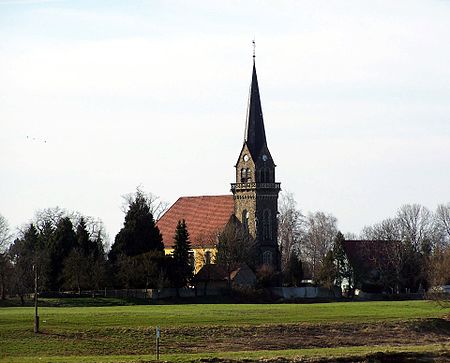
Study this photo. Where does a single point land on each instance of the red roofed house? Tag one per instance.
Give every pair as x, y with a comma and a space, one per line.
254, 199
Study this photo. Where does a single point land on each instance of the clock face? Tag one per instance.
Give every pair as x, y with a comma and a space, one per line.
264, 157
245, 157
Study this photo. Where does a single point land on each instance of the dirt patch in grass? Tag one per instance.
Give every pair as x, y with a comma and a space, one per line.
298, 336
196, 339
380, 357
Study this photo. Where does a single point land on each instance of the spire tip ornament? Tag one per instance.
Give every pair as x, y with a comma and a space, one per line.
254, 48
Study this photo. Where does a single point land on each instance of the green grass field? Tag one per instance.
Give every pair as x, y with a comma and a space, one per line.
126, 333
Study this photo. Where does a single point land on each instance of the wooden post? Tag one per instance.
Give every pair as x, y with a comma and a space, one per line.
158, 336
36, 316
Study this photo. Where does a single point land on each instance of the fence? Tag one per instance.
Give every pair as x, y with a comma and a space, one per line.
308, 292
150, 294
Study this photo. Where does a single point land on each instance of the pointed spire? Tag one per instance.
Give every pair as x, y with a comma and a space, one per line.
255, 135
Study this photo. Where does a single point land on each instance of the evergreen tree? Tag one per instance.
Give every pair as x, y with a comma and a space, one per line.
99, 248
294, 270
46, 236
25, 254
6, 273
97, 271
84, 243
327, 273
341, 261
150, 267
85, 266
62, 244
139, 233
180, 255
344, 270
31, 240
75, 271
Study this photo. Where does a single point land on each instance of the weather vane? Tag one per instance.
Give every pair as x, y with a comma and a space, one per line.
254, 47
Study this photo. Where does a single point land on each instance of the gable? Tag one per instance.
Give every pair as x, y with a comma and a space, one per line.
269, 162
245, 151
205, 216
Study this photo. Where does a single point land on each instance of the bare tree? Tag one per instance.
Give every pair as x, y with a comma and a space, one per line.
442, 219
156, 205
410, 247
94, 226
440, 267
317, 241
416, 225
386, 230
389, 260
439, 275
235, 246
350, 235
5, 235
5, 264
48, 218
439, 262
404, 244
290, 221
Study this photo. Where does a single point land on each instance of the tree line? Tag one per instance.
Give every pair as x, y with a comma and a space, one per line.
415, 254
69, 252
66, 250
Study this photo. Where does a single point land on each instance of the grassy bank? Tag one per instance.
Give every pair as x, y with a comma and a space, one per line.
217, 314
122, 333
317, 354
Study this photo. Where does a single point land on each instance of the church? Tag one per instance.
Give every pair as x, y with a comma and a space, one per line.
254, 198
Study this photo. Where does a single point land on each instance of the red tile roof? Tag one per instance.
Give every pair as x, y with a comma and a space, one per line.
204, 216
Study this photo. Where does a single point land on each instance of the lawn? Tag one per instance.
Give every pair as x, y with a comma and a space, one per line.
192, 331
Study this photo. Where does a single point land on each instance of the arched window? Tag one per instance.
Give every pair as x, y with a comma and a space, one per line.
245, 219
207, 257
265, 175
269, 176
246, 175
267, 258
243, 175
267, 228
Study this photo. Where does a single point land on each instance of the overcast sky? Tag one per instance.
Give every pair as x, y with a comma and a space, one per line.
97, 97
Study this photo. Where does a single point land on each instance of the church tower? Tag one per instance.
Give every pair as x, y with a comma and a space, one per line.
255, 192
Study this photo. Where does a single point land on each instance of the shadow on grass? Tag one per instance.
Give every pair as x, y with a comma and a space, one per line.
378, 357
75, 302
432, 325
112, 301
